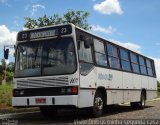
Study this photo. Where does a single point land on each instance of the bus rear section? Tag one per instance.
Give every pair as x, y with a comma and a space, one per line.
111, 74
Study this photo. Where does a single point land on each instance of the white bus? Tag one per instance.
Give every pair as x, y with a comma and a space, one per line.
65, 66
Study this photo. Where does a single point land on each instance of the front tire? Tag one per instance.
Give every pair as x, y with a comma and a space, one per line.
98, 105
48, 111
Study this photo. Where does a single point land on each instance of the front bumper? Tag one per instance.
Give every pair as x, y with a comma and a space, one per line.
50, 100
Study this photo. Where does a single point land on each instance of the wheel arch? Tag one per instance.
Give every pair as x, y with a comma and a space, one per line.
103, 92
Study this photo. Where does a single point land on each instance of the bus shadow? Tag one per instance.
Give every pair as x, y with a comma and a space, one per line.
71, 116
116, 109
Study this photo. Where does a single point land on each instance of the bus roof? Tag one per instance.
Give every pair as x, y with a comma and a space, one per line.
88, 32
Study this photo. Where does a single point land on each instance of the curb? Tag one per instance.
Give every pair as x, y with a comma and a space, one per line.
6, 116
156, 99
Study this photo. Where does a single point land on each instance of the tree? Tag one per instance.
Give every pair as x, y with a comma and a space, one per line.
78, 18
3, 63
6, 70
10, 67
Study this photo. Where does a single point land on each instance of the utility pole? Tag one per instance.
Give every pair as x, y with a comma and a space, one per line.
5, 68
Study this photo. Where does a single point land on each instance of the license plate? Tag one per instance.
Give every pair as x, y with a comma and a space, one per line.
40, 100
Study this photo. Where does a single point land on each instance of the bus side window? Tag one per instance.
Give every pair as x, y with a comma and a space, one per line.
149, 67
85, 58
142, 65
85, 54
125, 60
134, 63
113, 57
100, 53
153, 68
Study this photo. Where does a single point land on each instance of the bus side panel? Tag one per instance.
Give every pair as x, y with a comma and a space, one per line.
152, 92
117, 81
87, 89
115, 94
127, 84
136, 93
127, 80
136, 81
114, 97
86, 97
102, 78
151, 95
144, 82
152, 84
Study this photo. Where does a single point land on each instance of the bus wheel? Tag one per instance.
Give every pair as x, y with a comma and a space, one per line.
48, 111
98, 104
141, 104
143, 101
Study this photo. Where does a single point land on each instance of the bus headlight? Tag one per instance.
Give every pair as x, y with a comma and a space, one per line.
17, 93
21, 92
63, 90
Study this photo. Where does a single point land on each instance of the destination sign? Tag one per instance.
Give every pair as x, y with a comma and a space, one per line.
44, 33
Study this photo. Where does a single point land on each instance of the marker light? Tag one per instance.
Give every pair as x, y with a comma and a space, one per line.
74, 90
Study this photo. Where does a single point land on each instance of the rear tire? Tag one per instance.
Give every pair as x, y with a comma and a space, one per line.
143, 101
98, 105
141, 104
48, 111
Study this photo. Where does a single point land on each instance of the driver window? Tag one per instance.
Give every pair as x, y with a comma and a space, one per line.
85, 54
85, 58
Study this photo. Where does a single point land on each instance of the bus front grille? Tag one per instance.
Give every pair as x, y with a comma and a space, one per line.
45, 82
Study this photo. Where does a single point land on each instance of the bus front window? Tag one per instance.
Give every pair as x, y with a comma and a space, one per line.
59, 57
28, 60
47, 57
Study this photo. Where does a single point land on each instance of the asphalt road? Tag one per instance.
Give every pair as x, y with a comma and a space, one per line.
122, 112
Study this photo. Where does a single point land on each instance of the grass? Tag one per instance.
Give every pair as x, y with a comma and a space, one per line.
5, 94
158, 91
5, 101
11, 110
158, 94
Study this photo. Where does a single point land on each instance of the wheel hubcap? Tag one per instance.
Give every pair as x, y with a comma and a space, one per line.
143, 101
99, 103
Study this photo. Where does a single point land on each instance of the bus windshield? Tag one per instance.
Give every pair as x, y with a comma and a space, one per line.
44, 58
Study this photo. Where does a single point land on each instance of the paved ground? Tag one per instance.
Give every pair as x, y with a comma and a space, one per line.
152, 111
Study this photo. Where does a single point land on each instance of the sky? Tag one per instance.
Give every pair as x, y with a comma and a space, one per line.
134, 24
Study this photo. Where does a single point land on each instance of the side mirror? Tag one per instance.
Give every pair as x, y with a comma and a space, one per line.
6, 53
